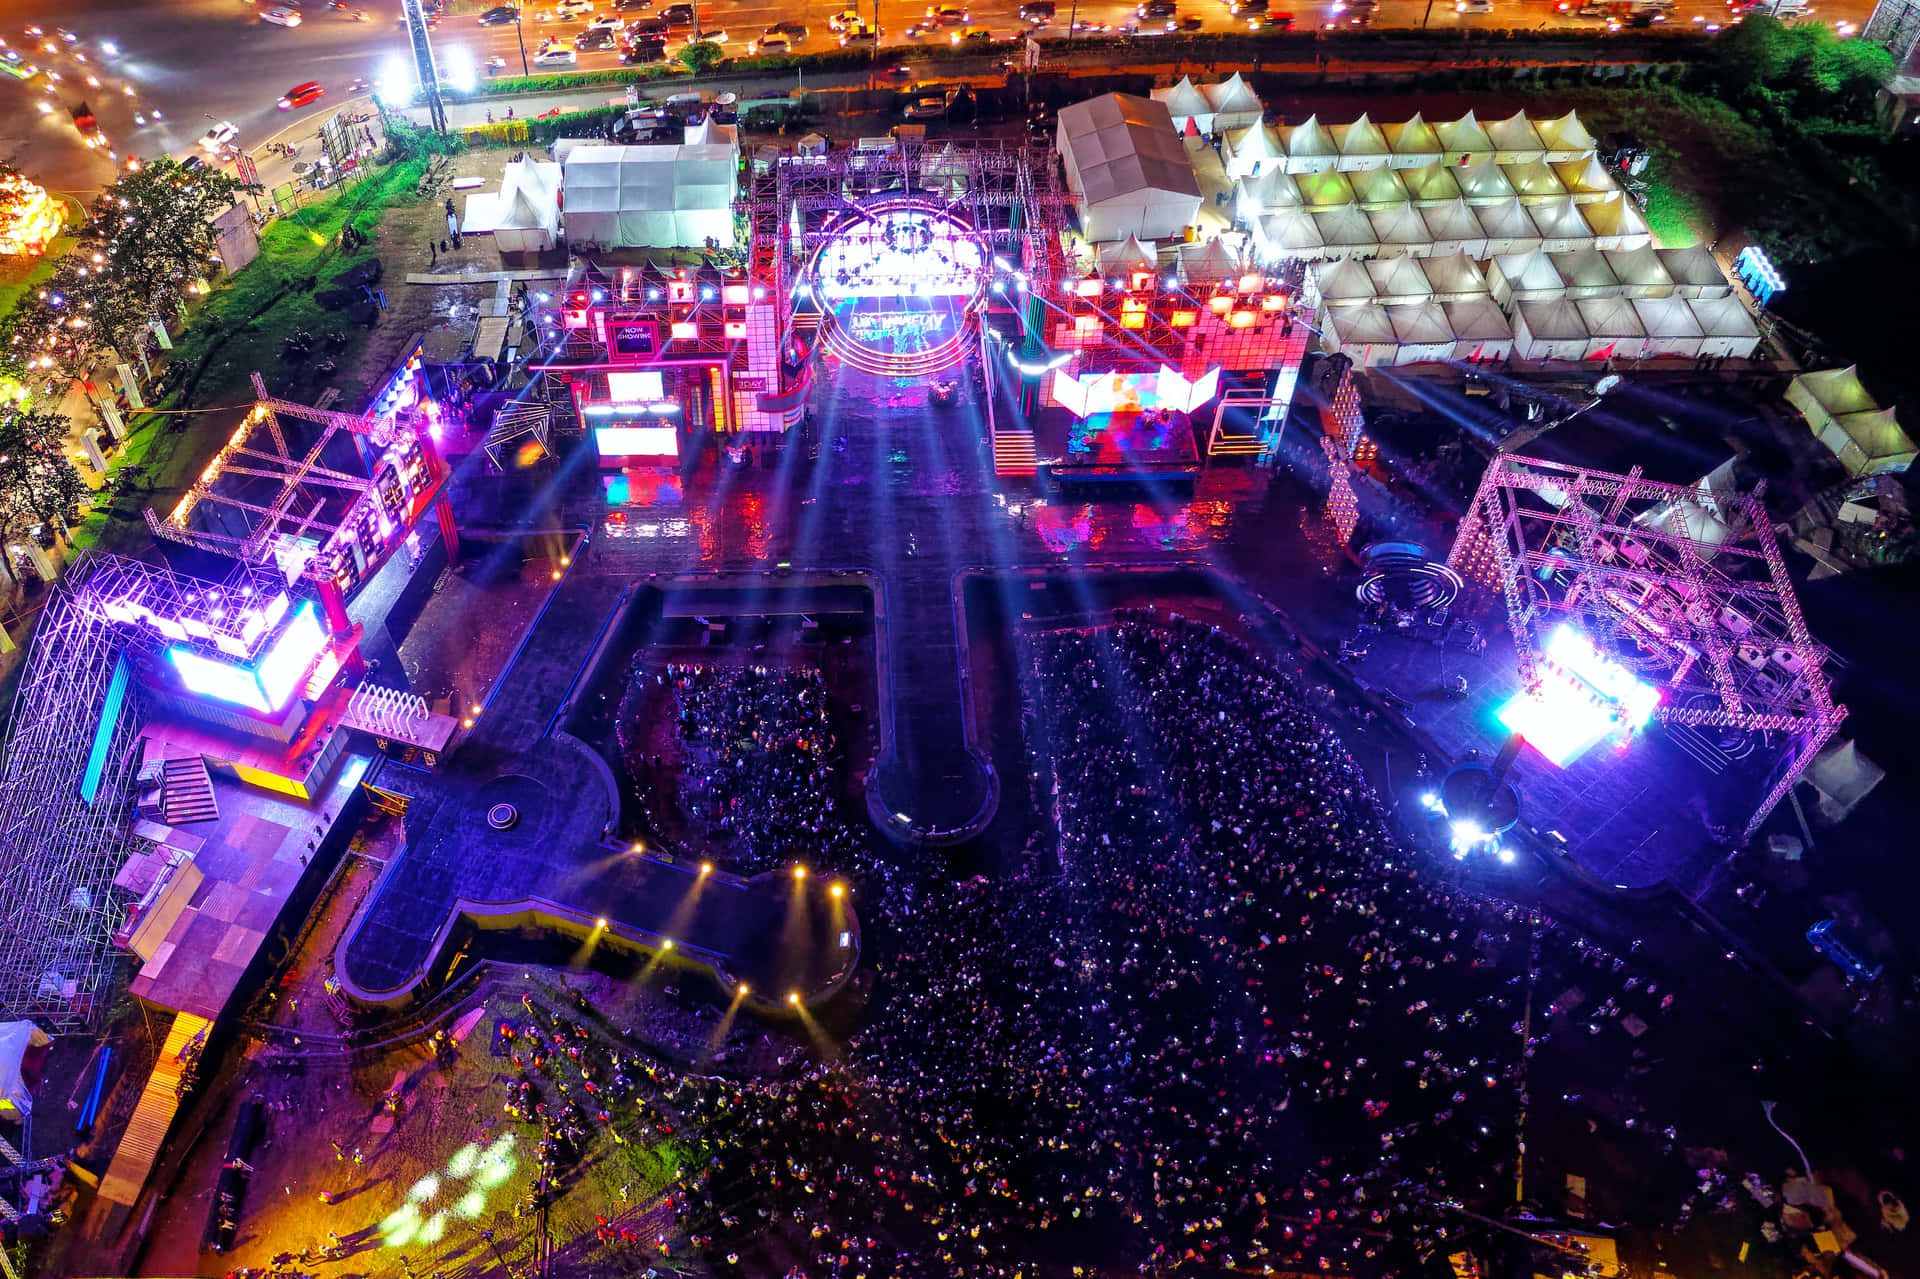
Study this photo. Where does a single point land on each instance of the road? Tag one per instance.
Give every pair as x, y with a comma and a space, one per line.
198, 61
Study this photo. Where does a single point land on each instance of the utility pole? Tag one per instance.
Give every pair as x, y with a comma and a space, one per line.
525, 70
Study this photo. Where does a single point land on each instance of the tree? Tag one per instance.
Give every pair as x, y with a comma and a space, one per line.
700, 56
37, 482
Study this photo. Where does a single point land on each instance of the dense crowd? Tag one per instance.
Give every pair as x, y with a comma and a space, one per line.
1225, 1021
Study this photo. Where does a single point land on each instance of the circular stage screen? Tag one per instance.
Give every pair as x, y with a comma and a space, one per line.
897, 283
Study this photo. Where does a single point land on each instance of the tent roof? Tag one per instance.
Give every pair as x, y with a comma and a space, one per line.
1309, 139
1610, 318
1615, 215
1464, 134
1533, 178
1325, 189
1430, 182
1454, 221
1399, 224
1878, 435
1838, 391
1529, 271
1344, 227
1232, 94
1364, 325
1666, 317
1559, 217
1378, 186
1641, 266
1515, 133
1362, 137
1565, 133
1256, 142
1483, 181
615, 179
1420, 322
1477, 319
1273, 189
1121, 145
1183, 99
1584, 269
1208, 260
1415, 137
1586, 176
1723, 317
1553, 319
1344, 279
1505, 219
1454, 273
1398, 278
1291, 229
1692, 265
1128, 252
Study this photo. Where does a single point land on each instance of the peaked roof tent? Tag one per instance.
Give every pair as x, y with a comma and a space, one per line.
1834, 392
1565, 137
1585, 176
1309, 140
1127, 254
1329, 188
1617, 219
1529, 272
1254, 147
1376, 188
1533, 181
1345, 227
1360, 140
1454, 221
1463, 138
1414, 138
1668, 319
1431, 183
1478, 320
1455, 274
1272, 189
1183, 100
1365, 325
1515, 138
1609, 318
1421, 324
1208, 261
1507, 220
1484, 182
1400, 224
1289, 233
1559, 219
1398, 279
1639, 269
1585, 273
1232, 94
1694, 267
1344, 280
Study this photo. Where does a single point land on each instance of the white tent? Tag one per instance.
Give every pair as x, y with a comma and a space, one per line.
1671, 329
523, 216
1208, 262
1509, 229
1310, 148
1614, 331
17, 1038
1564, 138
1728, 329
1345, 231
1272, 191
1127, 169
651, 197
1455, 229
1524, 277
1400, 229
1344, 281
1413, 144
1843, 416
1422, 331
1254, 149
1454, 277
1533, 181
1377, 188
1585, 178
1586, 274
1324, 189
1431, 184
1362, 144
1290, 233
1515, 140
1640, 272
1551, 330
1185, 104
1695, 273
1560, 225
1123, 257
1617, 223
1364, 334
1483, 182
1463, 140
1398, 280
1480, 331
1235, 104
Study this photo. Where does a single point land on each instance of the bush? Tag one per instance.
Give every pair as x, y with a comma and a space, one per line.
407, 141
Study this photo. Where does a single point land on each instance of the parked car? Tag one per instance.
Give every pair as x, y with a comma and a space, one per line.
558, 56
499, 16
281, 16
928, 106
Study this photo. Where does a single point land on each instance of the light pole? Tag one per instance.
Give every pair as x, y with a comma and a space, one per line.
488, 1236
1804, 1161
524, 69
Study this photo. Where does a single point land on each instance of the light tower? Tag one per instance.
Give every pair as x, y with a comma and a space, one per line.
423, 63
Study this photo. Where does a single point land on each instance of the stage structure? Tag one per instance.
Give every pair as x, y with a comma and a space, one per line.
1644, 600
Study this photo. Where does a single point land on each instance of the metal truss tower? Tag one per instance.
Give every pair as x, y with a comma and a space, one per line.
1687, 585
1895, 24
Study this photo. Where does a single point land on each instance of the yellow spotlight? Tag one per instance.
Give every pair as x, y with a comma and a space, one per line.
556, 575
565, 560
639, 846
476, 708
706, 868
793, 997
467, 722
599, 923
740, 991
667, 944
838, 891
799, 872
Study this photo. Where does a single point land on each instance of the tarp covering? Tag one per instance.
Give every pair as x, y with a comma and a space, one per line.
1508, 228
1550, 330
1309, 147
1251, 150
1586, 274
1727, 327
1344, 281
1400, 228
1695, 273
1127, 169
1617, 222
1235, 104
1671, 328
1533, 181
1640, 272
1483, 182
1362, 144
1463, 139
1515, 139
17, 1038
1454, 276
1843, 416
1398, 280
1564, 138
1585, 178
1431, 184
1454, 228
1413, 143
1377, 188
1345, 230
1273, 190
1525, 277
654, 197
1480, 331
1560, 224
1184, 102
1208, 262
1613, 329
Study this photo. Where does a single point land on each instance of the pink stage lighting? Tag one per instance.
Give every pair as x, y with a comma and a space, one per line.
1584, 698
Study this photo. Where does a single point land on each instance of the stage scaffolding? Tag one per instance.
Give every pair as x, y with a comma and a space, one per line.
1687, 584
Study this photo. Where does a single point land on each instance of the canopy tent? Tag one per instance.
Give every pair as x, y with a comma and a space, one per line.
1617, 223
1431, 184
1454, 277
1124, 256
1324, 189
1586, 274
1640, 272
1614, 331
1377, 188
1671, 329
1252, 150
1235, 104
1398, 280
1483, 182
650, 197
1509, 229
1186, 105
1454, 228
1565, 138
1401, 229
1208, 262
1273, 190
1560, 225
1463, 140
523, 216
1413, 144
1480, 331
1550, 330
1694, 272
1585, 178
1515, 140
1290, 233
1728, 330
1362, 144
1310, 148
1843, 416
1422, 331
1344, 281
1524, 277
1364, 334
1127, 169
1345, 231
1534, 181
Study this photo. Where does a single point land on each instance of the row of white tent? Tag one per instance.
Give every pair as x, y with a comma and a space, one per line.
1475, 328
1533, 276
1270, 190
1844, 416
1558, 225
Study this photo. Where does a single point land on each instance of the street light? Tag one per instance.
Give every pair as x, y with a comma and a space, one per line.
525, 70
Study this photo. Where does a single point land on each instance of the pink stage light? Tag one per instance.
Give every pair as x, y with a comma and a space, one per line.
1584, 699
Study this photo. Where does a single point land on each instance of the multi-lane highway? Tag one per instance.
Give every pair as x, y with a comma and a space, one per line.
199, 61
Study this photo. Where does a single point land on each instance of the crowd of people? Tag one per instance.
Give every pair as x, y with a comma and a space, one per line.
1225, 1020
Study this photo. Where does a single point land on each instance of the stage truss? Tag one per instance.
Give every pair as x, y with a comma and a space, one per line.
1686, 586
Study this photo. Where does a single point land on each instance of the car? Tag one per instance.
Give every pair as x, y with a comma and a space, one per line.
679, 15
558, 56
844, 19
608, 22
500, 16
573, 8
1240, 8
637, 51
793, 30
281, 16
193, 164
1037, 11
948, 15
1473, 6
301, 94
593, 40
928, 106
1157, 9
717, 36
859, 33
972, 35
66, 35
219, 137
651, 29
624, 5
771, 42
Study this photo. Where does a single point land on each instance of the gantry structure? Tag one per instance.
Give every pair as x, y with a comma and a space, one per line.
1685, 585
